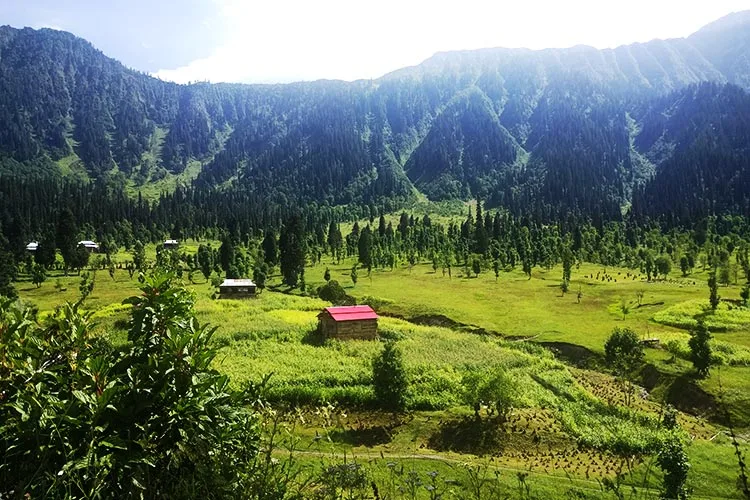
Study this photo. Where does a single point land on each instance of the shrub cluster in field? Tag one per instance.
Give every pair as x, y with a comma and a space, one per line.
727, 316
722, 353
437, 361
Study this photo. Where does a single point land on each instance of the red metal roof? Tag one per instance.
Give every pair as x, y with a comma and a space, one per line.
351, 313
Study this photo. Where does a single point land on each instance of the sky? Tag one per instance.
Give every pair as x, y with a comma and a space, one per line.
254, 41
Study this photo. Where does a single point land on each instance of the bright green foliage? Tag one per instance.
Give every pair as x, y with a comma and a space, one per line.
80, 258
713, 291
332, 292
669, 419
567, 262
345, 480
674, 462
494, 388
79, 419
139, 256
389, 377
260, 274
745, 294
700, 349
87, 285
724, 275
663, 265
623, 353
623, 350
354, 274
38, 275
684, 265
476, 266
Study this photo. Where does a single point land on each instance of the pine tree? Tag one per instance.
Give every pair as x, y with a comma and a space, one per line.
7, 271
713, 288
270, 248
139, 256
700, 348
364, 247
227, 255
293, 248
205, 260
67, 238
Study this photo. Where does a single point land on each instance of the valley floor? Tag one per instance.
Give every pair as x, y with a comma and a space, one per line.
571, 434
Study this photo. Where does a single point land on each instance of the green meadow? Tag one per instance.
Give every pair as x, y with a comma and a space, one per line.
570, 434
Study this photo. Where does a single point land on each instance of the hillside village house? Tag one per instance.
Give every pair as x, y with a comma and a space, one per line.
237, 288
89, 245
32, 246
170, 244
348, 322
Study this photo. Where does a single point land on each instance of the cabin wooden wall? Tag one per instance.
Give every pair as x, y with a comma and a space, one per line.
365, 329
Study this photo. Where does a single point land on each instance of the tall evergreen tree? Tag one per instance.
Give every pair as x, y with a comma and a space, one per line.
293, 249
67, 237
364, 246
227, 254
270, 248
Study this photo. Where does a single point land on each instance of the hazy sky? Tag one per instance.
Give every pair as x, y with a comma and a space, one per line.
290, 40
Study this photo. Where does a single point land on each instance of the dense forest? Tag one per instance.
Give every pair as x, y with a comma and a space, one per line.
650, 132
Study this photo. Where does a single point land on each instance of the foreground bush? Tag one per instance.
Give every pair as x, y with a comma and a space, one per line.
79, 419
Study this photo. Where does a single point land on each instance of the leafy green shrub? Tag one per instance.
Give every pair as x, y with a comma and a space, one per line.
390, 334
494, 388
677, 348
700, 349
78, 419
673, 460
389, 378
623, 352
333, 292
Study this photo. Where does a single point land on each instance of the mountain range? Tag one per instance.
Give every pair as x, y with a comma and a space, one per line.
661, 127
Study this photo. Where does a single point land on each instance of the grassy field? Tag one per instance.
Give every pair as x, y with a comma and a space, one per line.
570, 429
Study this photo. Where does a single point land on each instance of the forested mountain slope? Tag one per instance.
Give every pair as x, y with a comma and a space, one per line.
547, 131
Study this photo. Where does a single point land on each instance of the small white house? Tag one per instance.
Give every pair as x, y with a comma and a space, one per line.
32, 247
234, 288
89, 245
170, 244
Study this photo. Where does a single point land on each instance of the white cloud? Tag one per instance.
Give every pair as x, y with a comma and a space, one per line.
291, 40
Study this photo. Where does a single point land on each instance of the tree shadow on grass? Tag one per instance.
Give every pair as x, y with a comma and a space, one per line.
363, 436
686, 395
313, 337
469, 435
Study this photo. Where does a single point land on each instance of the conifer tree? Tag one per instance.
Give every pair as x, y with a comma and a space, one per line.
293, 248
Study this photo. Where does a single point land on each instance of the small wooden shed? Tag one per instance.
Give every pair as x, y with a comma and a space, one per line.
348, 322
237, 288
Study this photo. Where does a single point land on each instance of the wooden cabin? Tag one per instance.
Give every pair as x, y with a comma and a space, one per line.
237, 288
171, 244
348, 322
